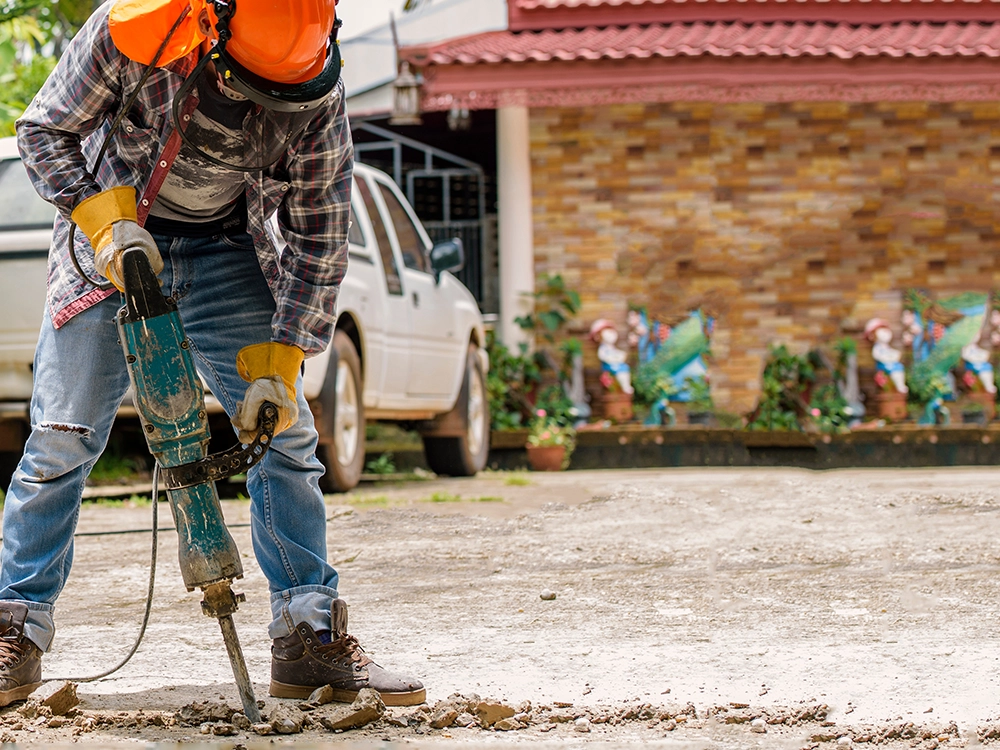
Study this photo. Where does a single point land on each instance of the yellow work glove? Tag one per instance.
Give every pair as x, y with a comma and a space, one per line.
109, 221
271, 369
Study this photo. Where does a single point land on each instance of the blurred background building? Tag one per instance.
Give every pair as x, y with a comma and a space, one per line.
792, 167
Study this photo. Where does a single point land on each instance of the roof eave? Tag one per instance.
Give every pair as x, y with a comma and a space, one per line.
555, 14
705, 78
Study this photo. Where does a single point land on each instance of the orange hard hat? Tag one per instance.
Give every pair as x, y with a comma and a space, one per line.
160, 30
282, 54
278, 40
281, 41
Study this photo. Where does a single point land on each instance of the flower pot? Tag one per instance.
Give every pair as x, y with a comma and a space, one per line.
546, 457
700, 417
615, 406
891, 405
974, 417
987, 401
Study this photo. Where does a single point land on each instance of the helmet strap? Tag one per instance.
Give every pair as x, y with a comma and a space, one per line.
224, 12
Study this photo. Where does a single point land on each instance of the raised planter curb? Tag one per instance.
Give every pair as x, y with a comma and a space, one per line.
636, 446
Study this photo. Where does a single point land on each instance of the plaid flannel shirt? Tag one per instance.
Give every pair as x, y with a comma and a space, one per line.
307, 191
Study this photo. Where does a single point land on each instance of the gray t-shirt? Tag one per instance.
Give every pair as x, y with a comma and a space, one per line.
196, 190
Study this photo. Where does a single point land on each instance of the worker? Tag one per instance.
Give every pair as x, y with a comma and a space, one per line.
239, 129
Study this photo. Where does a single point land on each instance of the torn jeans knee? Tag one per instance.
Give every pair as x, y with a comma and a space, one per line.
73, 429
56, 448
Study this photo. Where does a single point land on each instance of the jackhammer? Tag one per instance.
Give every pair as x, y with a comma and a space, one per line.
170, 401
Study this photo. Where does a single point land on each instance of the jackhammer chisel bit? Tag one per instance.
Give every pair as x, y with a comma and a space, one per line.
170, 402
220, 602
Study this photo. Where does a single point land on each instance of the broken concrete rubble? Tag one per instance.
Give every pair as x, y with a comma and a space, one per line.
490, 713
444, 718
59, 697
318, 697
196, 714
34, 721
286, 719
367, 707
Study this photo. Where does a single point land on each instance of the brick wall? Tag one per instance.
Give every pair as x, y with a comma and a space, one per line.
798, 221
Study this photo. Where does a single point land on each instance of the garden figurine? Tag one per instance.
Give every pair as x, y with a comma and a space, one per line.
913, 335
605, 335
888, 366
644, 336
994, 320
638, 334
977, 363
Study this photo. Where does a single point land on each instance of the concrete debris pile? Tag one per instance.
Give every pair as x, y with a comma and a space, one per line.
989, 732
471, 711
742, 713
56, 707
317, 711
926, 736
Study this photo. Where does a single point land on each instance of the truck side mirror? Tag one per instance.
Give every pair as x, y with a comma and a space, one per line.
447, 256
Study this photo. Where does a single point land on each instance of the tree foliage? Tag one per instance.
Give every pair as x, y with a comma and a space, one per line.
33, 34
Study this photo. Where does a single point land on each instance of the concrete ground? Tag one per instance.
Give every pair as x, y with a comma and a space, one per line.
772, 608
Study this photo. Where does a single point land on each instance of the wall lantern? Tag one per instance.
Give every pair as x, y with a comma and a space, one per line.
405, 97
459, 118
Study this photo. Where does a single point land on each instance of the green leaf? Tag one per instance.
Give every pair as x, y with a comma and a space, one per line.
571, 346
526, 322
8, 54
17, 8
552, 319
572, 302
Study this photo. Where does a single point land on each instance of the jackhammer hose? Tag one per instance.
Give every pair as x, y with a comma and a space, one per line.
149, 596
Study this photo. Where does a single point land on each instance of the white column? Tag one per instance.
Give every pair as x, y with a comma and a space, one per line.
516, 255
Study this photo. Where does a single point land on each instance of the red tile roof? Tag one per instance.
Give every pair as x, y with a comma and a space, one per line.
797, 39
537, 4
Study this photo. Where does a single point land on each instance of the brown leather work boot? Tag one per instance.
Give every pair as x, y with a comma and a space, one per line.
20, 659
305, 660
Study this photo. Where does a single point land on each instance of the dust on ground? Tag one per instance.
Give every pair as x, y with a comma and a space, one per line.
713, 608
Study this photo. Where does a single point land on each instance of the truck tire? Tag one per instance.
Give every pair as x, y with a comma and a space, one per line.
466, 455
343, 451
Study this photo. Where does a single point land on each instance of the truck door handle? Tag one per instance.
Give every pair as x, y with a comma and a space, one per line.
416, 300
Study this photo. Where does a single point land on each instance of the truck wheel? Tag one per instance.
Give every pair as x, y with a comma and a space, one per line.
343, 452
466, 455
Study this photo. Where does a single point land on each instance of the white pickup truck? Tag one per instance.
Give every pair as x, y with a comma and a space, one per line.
409, 345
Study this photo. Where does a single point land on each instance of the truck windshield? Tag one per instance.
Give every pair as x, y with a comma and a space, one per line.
20, 206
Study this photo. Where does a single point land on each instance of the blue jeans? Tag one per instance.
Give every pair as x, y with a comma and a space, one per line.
81, 379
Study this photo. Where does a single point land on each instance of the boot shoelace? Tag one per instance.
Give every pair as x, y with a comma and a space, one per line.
11, 650
346, 645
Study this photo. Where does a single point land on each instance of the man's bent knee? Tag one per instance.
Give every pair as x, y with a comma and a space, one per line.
54, 449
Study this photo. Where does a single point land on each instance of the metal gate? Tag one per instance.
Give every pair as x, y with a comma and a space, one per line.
449, 198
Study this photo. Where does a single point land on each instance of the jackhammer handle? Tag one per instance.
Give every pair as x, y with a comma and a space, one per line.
138, 256
234, 461
143, 297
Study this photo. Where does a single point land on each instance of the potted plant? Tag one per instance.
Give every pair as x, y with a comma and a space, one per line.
973, 412
550, 443
511, 384
786, 386
982, 403
829, 412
